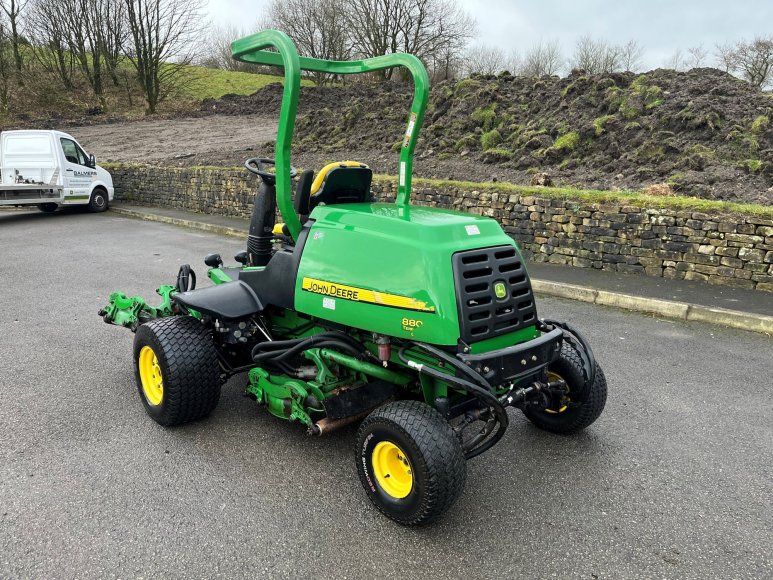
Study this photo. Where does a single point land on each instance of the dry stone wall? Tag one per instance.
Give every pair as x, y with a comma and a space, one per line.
727, 249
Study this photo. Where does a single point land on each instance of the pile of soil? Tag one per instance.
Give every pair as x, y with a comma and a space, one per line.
703, 133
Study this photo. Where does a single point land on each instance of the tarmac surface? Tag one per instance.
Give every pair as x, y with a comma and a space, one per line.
673, 481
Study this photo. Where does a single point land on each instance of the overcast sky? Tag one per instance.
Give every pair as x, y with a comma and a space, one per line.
661, 26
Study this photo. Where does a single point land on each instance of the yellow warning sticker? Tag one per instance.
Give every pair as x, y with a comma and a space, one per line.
361, 295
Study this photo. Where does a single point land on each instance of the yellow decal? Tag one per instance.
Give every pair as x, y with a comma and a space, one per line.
362, 295
410, 324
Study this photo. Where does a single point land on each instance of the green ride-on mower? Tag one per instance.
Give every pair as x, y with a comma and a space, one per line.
419, 322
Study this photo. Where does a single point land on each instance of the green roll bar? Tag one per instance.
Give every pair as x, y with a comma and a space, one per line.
250, 49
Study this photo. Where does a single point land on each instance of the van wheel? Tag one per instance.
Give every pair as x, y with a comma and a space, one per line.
98, 201
48, 207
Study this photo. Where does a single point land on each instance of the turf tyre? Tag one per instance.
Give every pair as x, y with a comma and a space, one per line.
586, 403
435, 454
189, 368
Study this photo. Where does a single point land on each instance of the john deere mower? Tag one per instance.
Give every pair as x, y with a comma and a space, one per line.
417, 322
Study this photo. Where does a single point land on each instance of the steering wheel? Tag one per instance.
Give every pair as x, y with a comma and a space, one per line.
257, 165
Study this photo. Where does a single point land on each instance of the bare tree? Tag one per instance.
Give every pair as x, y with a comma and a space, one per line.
13, 10
754, 60
318, 28
216, 52
49, 36
7, 70
696, 56
725, 57
544, 58
421, 27
83, 20
630, 56
596, 56
446, 64
162, 44
113, 35
675, 61
484, 60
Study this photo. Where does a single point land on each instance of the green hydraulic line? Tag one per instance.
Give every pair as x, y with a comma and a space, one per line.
250, 49
365, 367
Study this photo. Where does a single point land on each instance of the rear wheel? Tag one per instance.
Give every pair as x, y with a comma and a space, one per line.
410, 462
99, 201
176, 369
48, 207
581, 406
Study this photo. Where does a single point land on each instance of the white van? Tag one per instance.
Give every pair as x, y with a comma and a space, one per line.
49, 169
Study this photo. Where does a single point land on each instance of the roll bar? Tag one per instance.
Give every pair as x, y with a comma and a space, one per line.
251, 49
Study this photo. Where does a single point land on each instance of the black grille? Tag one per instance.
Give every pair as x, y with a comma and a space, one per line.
482, 314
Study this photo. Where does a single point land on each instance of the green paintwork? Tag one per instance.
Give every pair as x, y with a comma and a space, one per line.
401, 250
250, 49
282, 397
218, 276
365, 367
122, 310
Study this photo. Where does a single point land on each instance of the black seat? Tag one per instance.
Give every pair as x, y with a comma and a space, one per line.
229, 301
346, 182
340, 182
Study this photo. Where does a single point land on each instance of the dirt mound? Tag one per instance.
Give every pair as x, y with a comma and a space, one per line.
703, 132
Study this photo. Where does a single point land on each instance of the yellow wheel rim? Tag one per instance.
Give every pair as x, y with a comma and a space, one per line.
556, 377
392, 469
150, 376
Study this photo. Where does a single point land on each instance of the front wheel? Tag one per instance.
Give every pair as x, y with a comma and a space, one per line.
98, 201
177, 370
410, 462
581, 406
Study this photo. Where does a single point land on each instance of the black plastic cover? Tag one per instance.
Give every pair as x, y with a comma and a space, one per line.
229, 301
482, 313
517, 362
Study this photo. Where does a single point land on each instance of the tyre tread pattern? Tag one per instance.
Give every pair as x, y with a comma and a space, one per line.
192, 383
438, 445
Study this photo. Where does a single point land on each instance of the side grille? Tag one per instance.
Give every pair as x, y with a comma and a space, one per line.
482, 314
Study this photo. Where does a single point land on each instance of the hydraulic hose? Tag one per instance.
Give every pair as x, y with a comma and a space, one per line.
456, 363
486, 396
277, 354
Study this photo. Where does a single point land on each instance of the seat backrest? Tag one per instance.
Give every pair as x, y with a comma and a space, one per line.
303, 193
344, 182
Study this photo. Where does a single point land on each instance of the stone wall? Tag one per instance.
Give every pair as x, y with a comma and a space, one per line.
719, 248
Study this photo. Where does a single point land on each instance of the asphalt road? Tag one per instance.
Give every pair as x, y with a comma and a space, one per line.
673, 481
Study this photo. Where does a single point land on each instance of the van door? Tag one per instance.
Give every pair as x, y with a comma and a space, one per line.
78, 175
